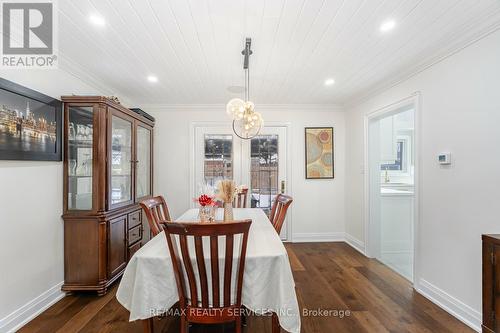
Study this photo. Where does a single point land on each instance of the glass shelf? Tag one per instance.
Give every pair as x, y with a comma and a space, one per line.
77, 143
80, 159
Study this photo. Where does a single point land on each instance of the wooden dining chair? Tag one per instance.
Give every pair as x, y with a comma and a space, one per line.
278, 211
156, 211
241, 199
199, 307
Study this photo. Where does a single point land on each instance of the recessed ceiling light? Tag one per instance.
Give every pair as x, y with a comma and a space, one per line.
329, 82
152, 78
97, 20
387, 25
236, 89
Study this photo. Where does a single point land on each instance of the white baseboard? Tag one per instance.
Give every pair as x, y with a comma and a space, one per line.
406, 252
329, 237
450, 304
30, 310
355, 243
318, 237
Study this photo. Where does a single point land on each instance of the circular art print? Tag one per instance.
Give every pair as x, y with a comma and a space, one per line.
319, 152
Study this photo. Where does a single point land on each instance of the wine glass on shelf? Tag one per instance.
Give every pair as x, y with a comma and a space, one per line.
80, 132
72, 132
87, 164
88, 133
72, 167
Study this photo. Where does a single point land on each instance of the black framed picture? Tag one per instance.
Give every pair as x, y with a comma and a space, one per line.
30, 124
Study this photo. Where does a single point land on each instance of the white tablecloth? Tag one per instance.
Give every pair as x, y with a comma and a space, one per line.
148, 285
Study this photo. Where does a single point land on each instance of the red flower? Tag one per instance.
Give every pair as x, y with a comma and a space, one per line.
205, 200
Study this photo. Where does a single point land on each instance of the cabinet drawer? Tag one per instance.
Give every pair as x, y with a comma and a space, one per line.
134, 234
133, 249
134, 219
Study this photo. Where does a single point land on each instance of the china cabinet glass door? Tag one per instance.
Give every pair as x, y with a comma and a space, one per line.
80, 157
143, 162
121, 161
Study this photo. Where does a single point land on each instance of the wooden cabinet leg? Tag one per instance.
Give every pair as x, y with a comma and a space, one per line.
275, 324
147, 324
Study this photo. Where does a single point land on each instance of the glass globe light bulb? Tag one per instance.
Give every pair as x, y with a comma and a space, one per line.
233, 106
249, 105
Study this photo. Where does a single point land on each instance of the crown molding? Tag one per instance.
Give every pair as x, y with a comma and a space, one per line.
69, 66
468, 35
262, 107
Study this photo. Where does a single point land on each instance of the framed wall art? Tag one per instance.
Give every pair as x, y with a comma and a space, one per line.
30, 124
319, 152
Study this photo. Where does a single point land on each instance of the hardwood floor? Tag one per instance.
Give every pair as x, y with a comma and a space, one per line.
328, 276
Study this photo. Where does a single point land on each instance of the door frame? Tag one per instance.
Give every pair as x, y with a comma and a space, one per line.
192, 160
415, 100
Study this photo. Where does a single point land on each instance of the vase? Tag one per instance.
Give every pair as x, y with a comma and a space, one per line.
213, 213
228, 211
203, 213
207, 213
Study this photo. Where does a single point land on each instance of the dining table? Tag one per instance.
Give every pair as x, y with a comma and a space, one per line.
148, 288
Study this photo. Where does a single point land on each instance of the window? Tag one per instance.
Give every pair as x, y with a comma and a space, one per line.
218, 163
398, 163
264, 171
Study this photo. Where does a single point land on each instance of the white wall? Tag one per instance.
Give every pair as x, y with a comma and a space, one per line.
31, 241
460, 113
318, 207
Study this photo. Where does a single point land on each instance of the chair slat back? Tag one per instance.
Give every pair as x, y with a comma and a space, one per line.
183, 266
214, 253
278, 211
156, 211
241, 199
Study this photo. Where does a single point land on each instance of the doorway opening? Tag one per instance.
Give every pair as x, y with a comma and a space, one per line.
391, 155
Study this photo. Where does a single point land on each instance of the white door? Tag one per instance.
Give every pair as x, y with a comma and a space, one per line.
260, 163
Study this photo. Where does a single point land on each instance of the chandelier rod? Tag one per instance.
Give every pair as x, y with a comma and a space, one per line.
247, 85
247, 52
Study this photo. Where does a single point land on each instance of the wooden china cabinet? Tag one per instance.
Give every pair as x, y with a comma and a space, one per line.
491, 283
108, 159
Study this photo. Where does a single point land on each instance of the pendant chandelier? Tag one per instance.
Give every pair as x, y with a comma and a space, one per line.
247, 123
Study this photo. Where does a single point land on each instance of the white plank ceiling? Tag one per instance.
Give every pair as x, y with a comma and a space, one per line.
193, 46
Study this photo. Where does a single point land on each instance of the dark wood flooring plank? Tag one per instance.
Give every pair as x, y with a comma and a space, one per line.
408, 304
86, 314
328, 276
369, 322
295, 263
318, 293
51, 323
